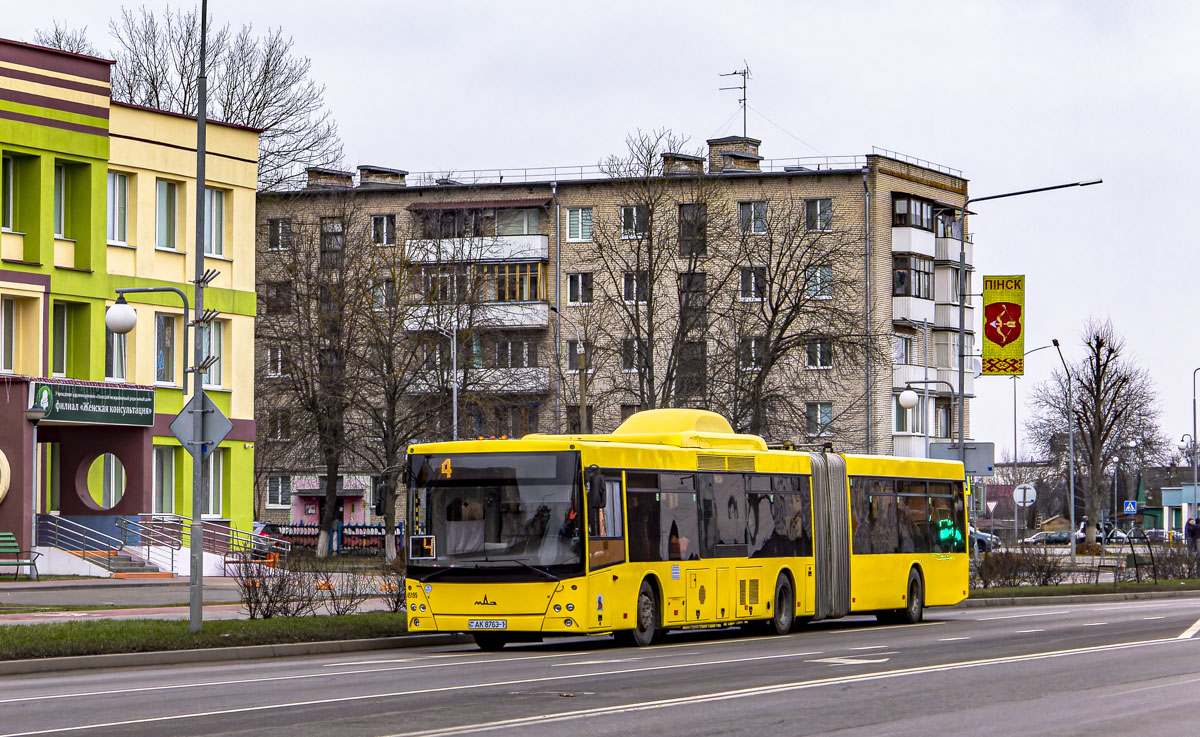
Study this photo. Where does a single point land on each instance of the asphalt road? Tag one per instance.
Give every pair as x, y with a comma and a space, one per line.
1122, 668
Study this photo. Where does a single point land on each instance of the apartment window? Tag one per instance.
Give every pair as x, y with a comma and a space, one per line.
909, 420
60, 201
164, 349
513, 282
818, 282
8, 198
579, 353
514, 422
946, 225
118, 201
693, 301
167, 205
113, 483
8, 334
633, 354
912, 276
276, 361
212, 338
913, 212
214, 222
752, 352
818, 354
636, 287
214, 466
818, 418
517, 222
573, 425
333, 238
279, 492
59, 368
752, 217
279, 234
579, 288
383, 230
164, 480
383, 293
277, 296
905, 349
945, 348
279, 425
818, 214
629, 410
516, 354
943, 416
635, 221
114, 356
754, 283
693, 368
579, 224
693, 228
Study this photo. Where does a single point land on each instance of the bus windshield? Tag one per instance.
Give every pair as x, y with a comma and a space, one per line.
471, 512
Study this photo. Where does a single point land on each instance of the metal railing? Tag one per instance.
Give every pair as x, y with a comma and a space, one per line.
156, 539
364, 540
888, 153
58, 532
222, 540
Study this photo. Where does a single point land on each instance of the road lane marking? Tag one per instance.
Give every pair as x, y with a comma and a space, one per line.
1190, 631
1025, 632
849, 661
1158, 617
564, 716
953, 639
1019, 616
1094, 624
1160, 685
870, 647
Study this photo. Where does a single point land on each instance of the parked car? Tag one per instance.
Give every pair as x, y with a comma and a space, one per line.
982, 541
1049, 537
1158, 535
265, 536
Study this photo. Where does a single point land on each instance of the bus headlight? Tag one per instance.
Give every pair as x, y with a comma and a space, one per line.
569, 622
414, 607
570, 607
416, 623
558, 607
422, 607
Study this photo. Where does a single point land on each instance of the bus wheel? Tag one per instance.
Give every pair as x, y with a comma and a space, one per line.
490, 641
785, 606
647, 631
915, 611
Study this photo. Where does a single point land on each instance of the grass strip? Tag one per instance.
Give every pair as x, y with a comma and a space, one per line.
1071, 589
100, 637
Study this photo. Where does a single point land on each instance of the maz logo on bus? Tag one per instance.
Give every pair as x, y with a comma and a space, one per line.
485, 602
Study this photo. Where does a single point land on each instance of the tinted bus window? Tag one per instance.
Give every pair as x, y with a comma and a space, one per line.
722, 515
912, 516
946, 524
643, 523
679, 537
885, 533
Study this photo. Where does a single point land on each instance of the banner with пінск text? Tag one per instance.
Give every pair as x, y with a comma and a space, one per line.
1003, 325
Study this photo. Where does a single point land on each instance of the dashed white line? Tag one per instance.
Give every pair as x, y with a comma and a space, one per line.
1094, 624
953, 639
1158, 617
1025, 632
870, 647
1019, 616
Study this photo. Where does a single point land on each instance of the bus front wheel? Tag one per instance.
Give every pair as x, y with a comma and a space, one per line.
647, 631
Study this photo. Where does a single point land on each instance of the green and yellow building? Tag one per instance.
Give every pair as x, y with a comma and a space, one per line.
95, 196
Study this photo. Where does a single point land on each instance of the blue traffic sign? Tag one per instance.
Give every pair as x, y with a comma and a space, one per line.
1130, 507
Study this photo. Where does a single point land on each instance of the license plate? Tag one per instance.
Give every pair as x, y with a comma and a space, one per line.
487, 624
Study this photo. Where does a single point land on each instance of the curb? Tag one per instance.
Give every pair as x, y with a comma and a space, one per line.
217, 654
1073, 599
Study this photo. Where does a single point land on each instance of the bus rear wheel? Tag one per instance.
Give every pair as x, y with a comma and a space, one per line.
785, 607
490, 641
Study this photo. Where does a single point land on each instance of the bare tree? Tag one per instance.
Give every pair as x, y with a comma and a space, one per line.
1115, 408
255, 81
63, 37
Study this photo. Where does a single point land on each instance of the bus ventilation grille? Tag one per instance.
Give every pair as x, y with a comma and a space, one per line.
742, 592
722, 463
753, 591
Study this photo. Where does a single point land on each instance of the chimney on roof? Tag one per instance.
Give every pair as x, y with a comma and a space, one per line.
368, 175
679, 165
733, 153
319, 178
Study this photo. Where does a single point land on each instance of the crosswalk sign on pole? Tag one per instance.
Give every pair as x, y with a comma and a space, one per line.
1130, 506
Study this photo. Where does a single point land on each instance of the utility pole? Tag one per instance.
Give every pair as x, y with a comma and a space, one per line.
744, 73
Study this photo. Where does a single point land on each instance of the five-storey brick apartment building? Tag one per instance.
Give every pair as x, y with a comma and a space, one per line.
797, 297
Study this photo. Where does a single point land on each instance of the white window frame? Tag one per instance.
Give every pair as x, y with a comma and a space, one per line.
8, 198
756, 273
757, 221
639, 359
111, 343
824, 214
214, 222
274, 361
823, 357
60, 200
818, 281
388, 237
573, 351
118, 208
8, 334
631, 277
166, 208
160, 319
529, 221
908, 421
279, 230
575, 284
824, 419
632, 233
756, 353
904, 349
275, 495
61, 320
579, 224
163, 501
213, 335
113, 480
214, 460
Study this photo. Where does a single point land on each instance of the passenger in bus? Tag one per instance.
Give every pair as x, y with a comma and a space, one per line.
677, 545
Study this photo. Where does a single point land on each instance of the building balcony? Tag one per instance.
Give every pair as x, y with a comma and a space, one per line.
912, 309
913, 240
951, 375
489, 248
532, 380
902, 373
946, 317
946, 249
909, 446
481, 316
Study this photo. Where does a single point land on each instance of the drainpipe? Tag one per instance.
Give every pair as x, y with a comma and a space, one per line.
557, 301
867, 261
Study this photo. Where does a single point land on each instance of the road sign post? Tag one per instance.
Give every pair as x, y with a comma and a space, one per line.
1130, 506
1023, 495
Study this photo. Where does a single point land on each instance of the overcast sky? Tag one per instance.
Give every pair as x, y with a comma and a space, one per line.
1016, 95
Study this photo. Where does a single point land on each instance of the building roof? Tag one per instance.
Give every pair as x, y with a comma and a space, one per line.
463, 204
207, 121
733, 139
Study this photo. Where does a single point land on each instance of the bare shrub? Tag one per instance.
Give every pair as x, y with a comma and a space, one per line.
1043, 568
343, 589
391, 586
253, 580
296, 594
1000, 569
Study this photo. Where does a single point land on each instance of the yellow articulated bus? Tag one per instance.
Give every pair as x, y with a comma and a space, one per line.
671, 522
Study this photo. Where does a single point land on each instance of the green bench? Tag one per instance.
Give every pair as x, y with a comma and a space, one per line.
24, 559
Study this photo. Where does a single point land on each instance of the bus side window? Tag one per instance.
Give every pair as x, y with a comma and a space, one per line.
641, 497
708, 515
679, 535
606, 522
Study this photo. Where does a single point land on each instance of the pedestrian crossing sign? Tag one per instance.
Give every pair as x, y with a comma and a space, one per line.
1130, 506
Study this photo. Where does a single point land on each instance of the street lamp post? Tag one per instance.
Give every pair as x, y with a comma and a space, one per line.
1070, 445
1187, 444
452, 334
1014, 380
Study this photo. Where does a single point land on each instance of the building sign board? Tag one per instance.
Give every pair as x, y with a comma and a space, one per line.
92, 403
1004, 325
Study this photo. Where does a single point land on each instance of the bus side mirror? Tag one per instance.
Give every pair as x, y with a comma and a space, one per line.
596, 492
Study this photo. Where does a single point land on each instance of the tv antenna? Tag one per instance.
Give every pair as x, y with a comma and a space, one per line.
744, 73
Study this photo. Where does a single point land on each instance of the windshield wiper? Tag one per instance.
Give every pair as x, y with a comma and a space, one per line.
546, 574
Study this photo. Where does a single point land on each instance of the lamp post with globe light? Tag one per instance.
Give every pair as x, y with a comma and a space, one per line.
1187, 445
